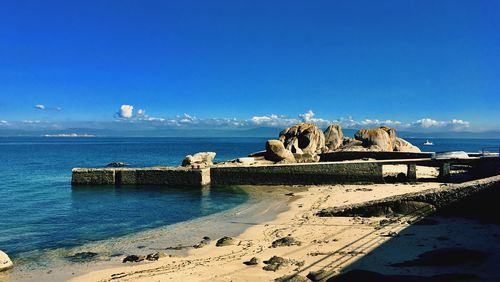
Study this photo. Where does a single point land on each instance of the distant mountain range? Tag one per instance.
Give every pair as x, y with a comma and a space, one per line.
268, 132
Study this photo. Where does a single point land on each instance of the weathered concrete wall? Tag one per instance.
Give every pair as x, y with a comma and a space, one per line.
289, 174
437, 197
88, 176
345, 156
137, 176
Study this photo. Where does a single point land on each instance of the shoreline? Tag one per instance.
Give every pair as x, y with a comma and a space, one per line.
263, 203
318, 237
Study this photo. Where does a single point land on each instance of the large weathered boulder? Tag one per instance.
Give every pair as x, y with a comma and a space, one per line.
401, 145
5, 262
199, 159
303, 138
333, 137
380, 137
276, 152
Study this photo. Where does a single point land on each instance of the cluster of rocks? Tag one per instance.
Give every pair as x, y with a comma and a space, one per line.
304, 142
149, 257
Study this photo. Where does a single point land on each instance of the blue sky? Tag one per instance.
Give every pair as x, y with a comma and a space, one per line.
410, 64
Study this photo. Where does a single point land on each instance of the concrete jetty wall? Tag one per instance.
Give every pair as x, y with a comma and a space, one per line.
289, 174
139, 176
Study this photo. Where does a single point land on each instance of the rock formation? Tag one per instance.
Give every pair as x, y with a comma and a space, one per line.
276, 152
202, 159
303, 138
382, 137
333, 137
5, 262
401, 145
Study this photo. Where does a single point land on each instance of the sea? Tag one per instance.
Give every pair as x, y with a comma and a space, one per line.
40, 210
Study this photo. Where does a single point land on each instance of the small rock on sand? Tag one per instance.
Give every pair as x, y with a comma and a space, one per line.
286, 241
202, 243
292, 278
156, 256
82, 256
252, 261
225, 241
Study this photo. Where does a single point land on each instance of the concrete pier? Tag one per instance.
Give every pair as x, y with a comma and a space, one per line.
357, 171
140, 176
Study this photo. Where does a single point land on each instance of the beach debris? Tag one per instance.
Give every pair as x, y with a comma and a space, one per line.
286, 241
116, 164
225, 241
5, 262
134, 258
82, 256
291, 194
252, 261
292, 278
156, 256
205, 241
201, 159
276, 152
445, 257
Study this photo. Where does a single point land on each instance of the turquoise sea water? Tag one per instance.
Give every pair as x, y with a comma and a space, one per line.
40, 209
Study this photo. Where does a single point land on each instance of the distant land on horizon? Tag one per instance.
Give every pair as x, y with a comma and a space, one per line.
268, 132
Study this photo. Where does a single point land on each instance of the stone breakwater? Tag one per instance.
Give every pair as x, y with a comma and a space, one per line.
284, 174
421, 202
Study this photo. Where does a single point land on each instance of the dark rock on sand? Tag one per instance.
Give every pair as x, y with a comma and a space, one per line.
252, 261
82, 256
286, 241
205, 241
446, 257
156, 256
275, 263
225, 241
133, 258
365, 275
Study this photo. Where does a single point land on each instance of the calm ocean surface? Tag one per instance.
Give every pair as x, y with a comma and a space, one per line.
40, 210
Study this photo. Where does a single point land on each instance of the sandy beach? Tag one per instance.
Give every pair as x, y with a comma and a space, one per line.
319, 244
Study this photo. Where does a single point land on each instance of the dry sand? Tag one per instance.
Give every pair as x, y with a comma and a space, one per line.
329, 244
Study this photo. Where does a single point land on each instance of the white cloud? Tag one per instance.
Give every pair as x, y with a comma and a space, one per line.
40, 107
3, 122
454, 124
273, 120
126, 111
309, 118
27, 121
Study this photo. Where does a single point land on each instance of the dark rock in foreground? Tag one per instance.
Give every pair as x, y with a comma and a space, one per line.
134, 258
156, 256
286, 241
225, 241
252, 261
